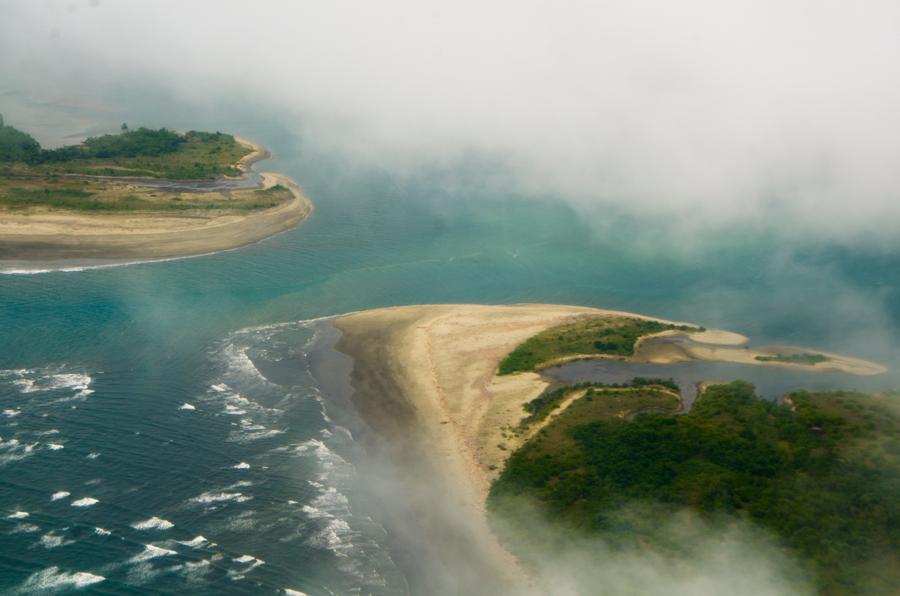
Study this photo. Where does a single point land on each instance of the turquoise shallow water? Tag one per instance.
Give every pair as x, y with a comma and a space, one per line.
98, 366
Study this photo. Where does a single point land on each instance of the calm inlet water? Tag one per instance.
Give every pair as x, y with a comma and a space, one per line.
163, 430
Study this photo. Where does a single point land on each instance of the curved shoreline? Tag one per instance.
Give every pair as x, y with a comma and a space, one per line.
425, 377
62, 237
258, 153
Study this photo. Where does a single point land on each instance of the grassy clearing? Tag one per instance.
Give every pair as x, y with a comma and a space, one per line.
614, 336
542, 406
99, 197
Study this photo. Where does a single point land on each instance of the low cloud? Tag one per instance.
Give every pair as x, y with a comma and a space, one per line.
690, 556
764, 114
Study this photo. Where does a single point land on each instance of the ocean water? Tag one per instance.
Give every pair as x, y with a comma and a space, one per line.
166, 427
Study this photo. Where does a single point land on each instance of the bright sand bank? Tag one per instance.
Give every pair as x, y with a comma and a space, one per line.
56, 235
257, 153
426, 375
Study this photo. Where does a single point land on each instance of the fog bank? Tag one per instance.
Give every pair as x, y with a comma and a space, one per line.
710, 113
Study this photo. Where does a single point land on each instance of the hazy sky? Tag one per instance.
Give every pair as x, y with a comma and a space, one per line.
780, 113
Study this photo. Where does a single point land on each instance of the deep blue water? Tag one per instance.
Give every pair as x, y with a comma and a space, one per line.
96, 366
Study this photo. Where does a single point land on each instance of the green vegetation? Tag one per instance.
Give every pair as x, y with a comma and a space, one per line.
804, 358
35, 178
540, 407
82, 196
592, 335
16, 145
822, 473
142, 152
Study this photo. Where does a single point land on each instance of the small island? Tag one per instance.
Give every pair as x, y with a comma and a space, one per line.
138, 194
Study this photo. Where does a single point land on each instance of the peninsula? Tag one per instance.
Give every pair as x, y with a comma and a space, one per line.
139, 194
463, 386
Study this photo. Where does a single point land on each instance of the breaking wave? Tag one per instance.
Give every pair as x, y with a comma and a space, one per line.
85, 502
154, 523
151, 551
53, 580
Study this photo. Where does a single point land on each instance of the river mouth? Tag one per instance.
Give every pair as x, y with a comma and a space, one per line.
771, 382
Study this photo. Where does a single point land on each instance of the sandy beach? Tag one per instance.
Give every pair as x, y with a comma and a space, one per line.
425, 377
427, 374
257, 153
703, 349
59, 235
53, 235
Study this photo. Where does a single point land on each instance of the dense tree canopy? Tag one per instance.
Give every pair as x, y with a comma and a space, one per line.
822, 472
16, 145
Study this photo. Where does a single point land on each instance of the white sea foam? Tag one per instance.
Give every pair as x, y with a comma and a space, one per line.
60, 494
85, 502
249, 560
24, 529
51, 540
290, 592
332, 466
10, 413
55, 446
154, 523
53, 381
239, 361
332, 500
248, 424
335, 536
54, 580
12, 450
242, 522
194, 542
241, 466
219, 497
187, 406
261, 434
330, 507
102, 532
80, 268
151, 551
235, 403
93, 455
193, 570
18, 515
